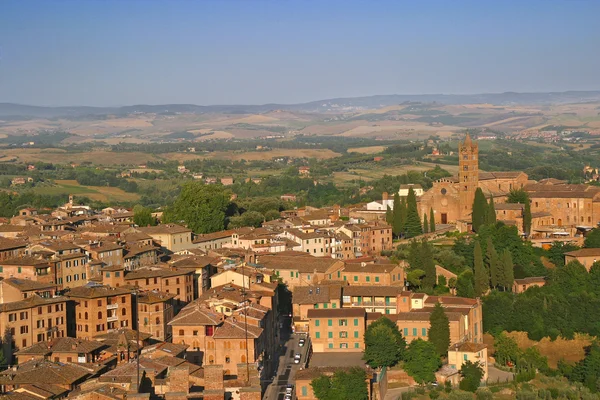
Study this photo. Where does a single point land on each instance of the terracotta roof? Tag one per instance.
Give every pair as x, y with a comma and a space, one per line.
336, 313
164, 229
30, 302
154, 272
11, 228
508, 206
25, 261
450, 301
236, 329
316, 294
9, 244
154, 296
531, 279
62, 345
124, 372
27, 284
45, 372
591, 252
92, 291
370, 268
196, 314
304, 264
468, 347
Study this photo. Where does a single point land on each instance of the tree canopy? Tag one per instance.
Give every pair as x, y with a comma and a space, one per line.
471, 374
384, 344
345, 384
422, 360
439, 331
480, 208
413, 221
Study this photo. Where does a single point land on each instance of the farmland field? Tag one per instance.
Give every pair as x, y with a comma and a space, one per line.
99, 193
368, 149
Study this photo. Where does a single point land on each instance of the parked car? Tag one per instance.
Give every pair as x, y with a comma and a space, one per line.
297, 358
289, 389
287, 396
301, 342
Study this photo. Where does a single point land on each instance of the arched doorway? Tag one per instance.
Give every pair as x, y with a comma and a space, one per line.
559, 222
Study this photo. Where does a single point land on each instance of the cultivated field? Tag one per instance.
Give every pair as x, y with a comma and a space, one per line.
368, 149
99, 193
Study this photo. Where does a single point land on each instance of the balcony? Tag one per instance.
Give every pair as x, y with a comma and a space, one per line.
112, 306
112, 318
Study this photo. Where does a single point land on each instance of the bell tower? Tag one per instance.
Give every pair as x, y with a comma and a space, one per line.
468, 174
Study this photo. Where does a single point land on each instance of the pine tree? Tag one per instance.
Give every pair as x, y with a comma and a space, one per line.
428, 265
491, 213
431, 221
389, 217
494, 265
482, 276
480, 208
425, 224
397, 216
439, 331
508, 270
413, 221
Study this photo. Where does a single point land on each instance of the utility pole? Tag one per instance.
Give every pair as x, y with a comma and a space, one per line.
245, 298
137, 326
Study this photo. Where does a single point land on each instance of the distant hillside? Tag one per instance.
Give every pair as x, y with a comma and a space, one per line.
8, 110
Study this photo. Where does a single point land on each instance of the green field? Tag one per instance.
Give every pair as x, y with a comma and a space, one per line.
100, 193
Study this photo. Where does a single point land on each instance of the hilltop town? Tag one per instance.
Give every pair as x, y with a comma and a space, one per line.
95, 305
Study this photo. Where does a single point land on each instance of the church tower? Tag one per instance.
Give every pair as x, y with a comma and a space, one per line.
468, 175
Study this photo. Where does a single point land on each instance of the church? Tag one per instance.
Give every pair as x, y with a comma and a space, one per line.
554, 204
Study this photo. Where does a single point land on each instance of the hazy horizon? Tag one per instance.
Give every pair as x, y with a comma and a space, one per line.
114, 53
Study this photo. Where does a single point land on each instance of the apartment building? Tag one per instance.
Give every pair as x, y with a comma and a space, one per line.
28, 267
379, 299
169, 236
155, 310
108, 253
100, 309
15, 289
371, 273
178, 282
69, 260
34, 319
63, 350
306, 298
11, 248
300, 269
337, 330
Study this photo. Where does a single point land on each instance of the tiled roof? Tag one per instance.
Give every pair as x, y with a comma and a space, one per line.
164, 229
154, 272
304, 264
236, 329
92, 291
468, 347
450, 301
369, 268
30, 302
154, 296
508, 206
9, 244
44, 372
592, 252
27, 284
316, 294
531, 279
195, 314
61, 345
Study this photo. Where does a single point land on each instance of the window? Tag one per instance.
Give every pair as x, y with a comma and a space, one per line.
123, 311
325, 305
343, 334
19, 269
356, 345
355, 278
376, 279
329, 322
333, 305
99, 303
414, 332
355, 321
181, 332
330, 335
316, 306
356, 334
465, 357
330, 345
424, 331
195, 333
343, 322
368, 279
227, 360
317, 335
316, 322
304, 391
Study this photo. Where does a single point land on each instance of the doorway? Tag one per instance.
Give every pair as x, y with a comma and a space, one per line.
444, 218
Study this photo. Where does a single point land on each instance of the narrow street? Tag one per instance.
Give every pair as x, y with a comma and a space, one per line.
286, 371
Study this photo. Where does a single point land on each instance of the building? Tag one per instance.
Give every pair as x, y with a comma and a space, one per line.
521, 285
63, 350
169, 236
337, 330
304, 390
370, 273
15, 289
586, 257
300, 269
100, 309
10, 249
306, 298
155, 311
465, 315
34, 319
373, 299
459, 353
178, 282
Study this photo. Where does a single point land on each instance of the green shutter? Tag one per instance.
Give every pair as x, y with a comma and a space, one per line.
339, 274
331, 345
376, 279
387, 300
356, 334
329, 322
316, 322
330, 335
355, 278
356, 345
296, 274
423, 331
414, 331
316, 306
368, 279
317, 335
355, 321
405, 332
333, 305
344, 277
304, 391
325, 305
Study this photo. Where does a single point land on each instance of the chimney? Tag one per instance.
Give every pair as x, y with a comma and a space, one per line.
384, 196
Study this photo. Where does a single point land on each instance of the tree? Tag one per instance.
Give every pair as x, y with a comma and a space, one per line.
491, 213
482, 276
271, 215
431, 220
415, 277
348, 384
592, 239
508, 274
464, 285
249, 218
439, 331
425, 224
471, 374
384, 344
413, 221
506, 349
428, 265
422, 360
398, 221
480, 207
389, 217
201, 207
142, 216
415, 255
527, 219
520, 196
493, 263
587, 371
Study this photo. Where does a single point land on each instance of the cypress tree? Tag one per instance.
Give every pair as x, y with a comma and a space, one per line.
431, 221
428, 265
482, 276
403, 215
439, 331
494, 265
527, 218
415, 257
480, 207
491, 213
509, 272
413, 221
389, 217
425, 224
397, 216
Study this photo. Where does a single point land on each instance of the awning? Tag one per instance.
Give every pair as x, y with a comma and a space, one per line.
561, 233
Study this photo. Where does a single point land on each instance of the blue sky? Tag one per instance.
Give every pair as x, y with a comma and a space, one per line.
103, 52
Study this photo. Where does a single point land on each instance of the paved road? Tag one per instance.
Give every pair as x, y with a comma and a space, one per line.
286, 371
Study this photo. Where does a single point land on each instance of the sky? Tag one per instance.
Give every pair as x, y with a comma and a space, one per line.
123, 52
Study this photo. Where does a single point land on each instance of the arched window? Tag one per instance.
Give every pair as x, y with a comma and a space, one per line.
157, 320
123, 311
99, 314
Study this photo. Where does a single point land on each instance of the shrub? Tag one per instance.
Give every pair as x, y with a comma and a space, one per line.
484, 394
